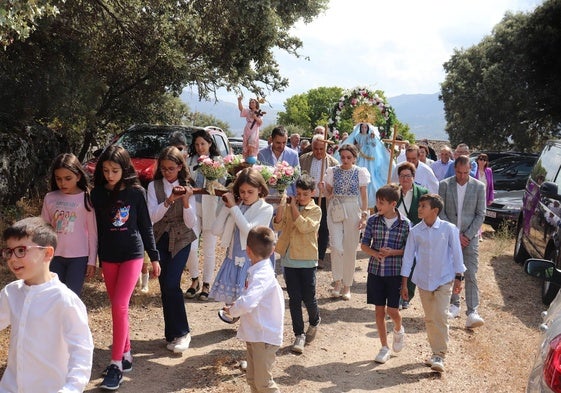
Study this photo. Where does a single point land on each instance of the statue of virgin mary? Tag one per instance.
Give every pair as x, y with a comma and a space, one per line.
372, 155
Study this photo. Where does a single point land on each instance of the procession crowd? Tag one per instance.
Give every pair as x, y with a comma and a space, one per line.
421, 232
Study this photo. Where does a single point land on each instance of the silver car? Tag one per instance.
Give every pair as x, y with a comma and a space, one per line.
546, 371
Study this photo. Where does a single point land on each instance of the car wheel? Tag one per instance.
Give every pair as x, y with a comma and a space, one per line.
520, 253
550, 289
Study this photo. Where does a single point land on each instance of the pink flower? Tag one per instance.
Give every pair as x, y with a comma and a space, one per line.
202, 158
273, 180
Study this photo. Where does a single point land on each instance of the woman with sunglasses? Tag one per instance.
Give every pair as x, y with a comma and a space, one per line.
485, 175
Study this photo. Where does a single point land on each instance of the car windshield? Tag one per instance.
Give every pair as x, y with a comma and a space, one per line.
146, 143
522, 165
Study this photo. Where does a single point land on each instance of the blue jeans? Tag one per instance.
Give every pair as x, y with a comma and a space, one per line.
173, 305
70, 271
301, 287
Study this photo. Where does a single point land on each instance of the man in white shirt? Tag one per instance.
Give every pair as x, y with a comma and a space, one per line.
464, 206
424, 176
440, 167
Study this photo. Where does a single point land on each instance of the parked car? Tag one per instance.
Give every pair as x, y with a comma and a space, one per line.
236, 143
505, 209
510, 175
512, 172
538, 230
144, 142
545, 375
495, 154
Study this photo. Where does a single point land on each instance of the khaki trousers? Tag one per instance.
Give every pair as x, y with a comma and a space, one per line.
260, 360
435, 305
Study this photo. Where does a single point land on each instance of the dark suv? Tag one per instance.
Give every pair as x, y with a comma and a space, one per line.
538, 228
144, 142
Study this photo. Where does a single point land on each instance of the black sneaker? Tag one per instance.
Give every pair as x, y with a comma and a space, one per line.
127, 367
113, 379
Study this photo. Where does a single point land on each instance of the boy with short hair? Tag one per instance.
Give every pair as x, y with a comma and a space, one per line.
261, 308
51, 346
384, 240
298, 224
435, 244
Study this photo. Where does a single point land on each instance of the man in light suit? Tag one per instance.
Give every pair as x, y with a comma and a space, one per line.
464, 206
278, 152
311, 163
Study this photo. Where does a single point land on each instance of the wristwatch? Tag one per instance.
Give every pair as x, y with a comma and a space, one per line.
459, 277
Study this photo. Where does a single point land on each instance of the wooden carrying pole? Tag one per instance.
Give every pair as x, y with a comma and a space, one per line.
393, 142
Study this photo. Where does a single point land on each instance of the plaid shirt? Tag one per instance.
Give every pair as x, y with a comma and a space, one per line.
377, 235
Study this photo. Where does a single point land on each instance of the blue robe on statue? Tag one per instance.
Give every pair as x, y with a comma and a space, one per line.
372, 155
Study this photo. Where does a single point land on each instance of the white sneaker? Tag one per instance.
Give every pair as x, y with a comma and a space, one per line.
437, 364
398, 340
180, 344
474, 320
383, 356
453, 311
299, 342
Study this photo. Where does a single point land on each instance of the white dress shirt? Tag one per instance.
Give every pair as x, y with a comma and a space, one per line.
158, 210
261, 306
51, 345
438, 254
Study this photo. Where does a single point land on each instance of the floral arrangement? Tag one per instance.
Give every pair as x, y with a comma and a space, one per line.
211, 169
282, 176
360, 97
265, 171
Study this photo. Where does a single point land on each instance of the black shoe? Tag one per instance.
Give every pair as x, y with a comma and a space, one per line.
127, 367
192, 292
227, 317
113, 379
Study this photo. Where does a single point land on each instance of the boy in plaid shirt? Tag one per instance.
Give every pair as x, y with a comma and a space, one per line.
384, 240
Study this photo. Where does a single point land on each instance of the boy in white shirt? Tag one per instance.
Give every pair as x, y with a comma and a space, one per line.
261, 308
435, 246
51, 346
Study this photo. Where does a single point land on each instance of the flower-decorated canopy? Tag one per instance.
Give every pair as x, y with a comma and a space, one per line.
367, 107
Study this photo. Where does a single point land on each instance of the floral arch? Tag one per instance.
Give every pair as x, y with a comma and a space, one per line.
367, 107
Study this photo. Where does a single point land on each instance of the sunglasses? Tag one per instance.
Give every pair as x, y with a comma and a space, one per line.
19, 251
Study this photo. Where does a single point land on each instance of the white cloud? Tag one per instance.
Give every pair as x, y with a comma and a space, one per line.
397, 46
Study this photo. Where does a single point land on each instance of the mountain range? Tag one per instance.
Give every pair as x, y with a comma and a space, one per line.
424, 113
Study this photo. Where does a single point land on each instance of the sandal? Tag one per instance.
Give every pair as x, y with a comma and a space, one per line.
191, 292
204, 292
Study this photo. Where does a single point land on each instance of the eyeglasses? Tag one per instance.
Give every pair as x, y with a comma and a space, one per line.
405, 176
481, 159
19, 251
172, 169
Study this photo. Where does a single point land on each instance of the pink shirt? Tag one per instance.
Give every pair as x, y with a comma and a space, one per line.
75, 226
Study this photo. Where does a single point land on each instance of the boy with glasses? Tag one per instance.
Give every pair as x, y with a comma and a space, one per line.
51, 346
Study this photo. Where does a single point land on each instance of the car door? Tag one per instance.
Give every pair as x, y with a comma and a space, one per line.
545, 217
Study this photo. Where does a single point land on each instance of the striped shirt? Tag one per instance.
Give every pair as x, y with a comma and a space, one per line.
377, 235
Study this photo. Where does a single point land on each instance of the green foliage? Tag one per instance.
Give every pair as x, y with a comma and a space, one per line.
108, 63
310, 109
503, 93
203, 120
18, 18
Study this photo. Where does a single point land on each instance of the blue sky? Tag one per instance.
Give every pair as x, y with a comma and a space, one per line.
397, 46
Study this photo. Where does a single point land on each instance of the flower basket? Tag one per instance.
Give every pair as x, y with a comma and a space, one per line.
283, 175
212, 170
234, 164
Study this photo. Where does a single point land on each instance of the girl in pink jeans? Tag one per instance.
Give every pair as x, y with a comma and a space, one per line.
124, 232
